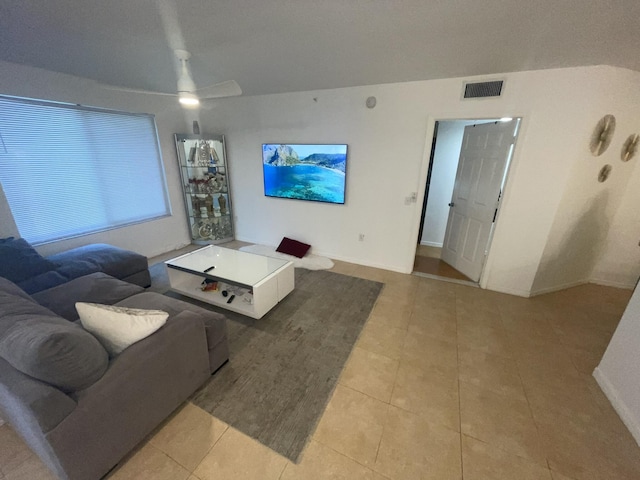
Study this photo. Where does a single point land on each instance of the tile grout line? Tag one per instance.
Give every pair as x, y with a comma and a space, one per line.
395, 381
529, 459
387, 403
351, 459
169, 457
526, 396
455, 309
211, 448
565, 348
284, 468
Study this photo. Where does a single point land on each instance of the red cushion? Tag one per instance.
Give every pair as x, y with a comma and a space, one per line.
293, 247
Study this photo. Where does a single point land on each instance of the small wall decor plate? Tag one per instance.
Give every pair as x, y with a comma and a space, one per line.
604, 173
630, 147
602, 135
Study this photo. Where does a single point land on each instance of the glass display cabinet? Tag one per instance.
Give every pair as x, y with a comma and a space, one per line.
205, 183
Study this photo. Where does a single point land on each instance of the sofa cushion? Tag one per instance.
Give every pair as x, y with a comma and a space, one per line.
16, 306
77, 268
119, 327
9, 288
54, 351
114, 261
20, 261
293, 247
94, 288
43, 281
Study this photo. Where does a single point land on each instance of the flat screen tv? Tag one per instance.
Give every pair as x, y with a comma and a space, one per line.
305, 172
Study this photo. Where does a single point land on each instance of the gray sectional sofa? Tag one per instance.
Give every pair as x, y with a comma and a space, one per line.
23, 265
78, 409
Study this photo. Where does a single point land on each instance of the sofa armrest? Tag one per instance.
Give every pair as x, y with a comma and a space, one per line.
31, 406
179, 344
93, 288
215, 323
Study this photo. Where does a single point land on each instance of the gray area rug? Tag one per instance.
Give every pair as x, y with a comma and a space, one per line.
284, 367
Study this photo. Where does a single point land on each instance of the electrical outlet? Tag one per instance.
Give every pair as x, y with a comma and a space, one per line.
361, 237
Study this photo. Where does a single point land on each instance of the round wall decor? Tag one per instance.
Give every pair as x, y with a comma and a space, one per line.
630, 147
604, 173
602, 135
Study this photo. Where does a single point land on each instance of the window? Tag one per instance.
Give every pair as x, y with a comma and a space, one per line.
69, 170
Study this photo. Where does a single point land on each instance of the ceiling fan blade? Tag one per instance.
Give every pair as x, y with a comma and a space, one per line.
135, 90
230, 88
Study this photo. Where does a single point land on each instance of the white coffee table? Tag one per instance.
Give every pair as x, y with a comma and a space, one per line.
269, 279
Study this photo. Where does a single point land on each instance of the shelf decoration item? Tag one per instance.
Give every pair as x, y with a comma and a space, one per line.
205, 183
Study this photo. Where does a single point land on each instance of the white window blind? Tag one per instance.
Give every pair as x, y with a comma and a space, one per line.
68, 170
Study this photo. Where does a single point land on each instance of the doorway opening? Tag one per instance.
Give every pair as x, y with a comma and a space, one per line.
467, 172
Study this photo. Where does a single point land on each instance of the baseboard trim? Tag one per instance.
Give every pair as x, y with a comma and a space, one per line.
342, 258
609, 283
364, 264
431, 244
468, 283
618, 405
508, 291
167, 249
556, 288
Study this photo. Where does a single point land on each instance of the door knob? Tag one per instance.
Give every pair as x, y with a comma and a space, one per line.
452, 204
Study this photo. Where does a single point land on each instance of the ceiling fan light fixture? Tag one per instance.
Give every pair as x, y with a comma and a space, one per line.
188, 99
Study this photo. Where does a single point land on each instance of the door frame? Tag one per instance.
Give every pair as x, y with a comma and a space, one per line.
432, 155
424, 172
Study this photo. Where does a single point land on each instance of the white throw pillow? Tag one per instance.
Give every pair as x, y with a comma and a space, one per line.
119, 327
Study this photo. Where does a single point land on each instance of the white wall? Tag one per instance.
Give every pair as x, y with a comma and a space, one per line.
389, 150
618, 374
590, 211
149, 238
619, 264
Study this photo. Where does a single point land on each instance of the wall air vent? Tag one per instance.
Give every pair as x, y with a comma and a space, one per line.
483, 89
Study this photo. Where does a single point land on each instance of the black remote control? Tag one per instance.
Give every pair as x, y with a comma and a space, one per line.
231, 298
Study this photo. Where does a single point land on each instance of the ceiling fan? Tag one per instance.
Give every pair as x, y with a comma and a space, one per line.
188, 95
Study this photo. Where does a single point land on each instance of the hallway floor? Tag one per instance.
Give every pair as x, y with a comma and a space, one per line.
428, 261
438, 268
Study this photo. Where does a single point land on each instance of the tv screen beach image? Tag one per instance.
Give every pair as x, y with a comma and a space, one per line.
305, 172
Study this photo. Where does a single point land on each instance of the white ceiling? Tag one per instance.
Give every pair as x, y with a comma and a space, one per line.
273, 46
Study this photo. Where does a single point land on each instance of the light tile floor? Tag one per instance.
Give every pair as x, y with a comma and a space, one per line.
445, 382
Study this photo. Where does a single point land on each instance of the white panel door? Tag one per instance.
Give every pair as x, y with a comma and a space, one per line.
483, 157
